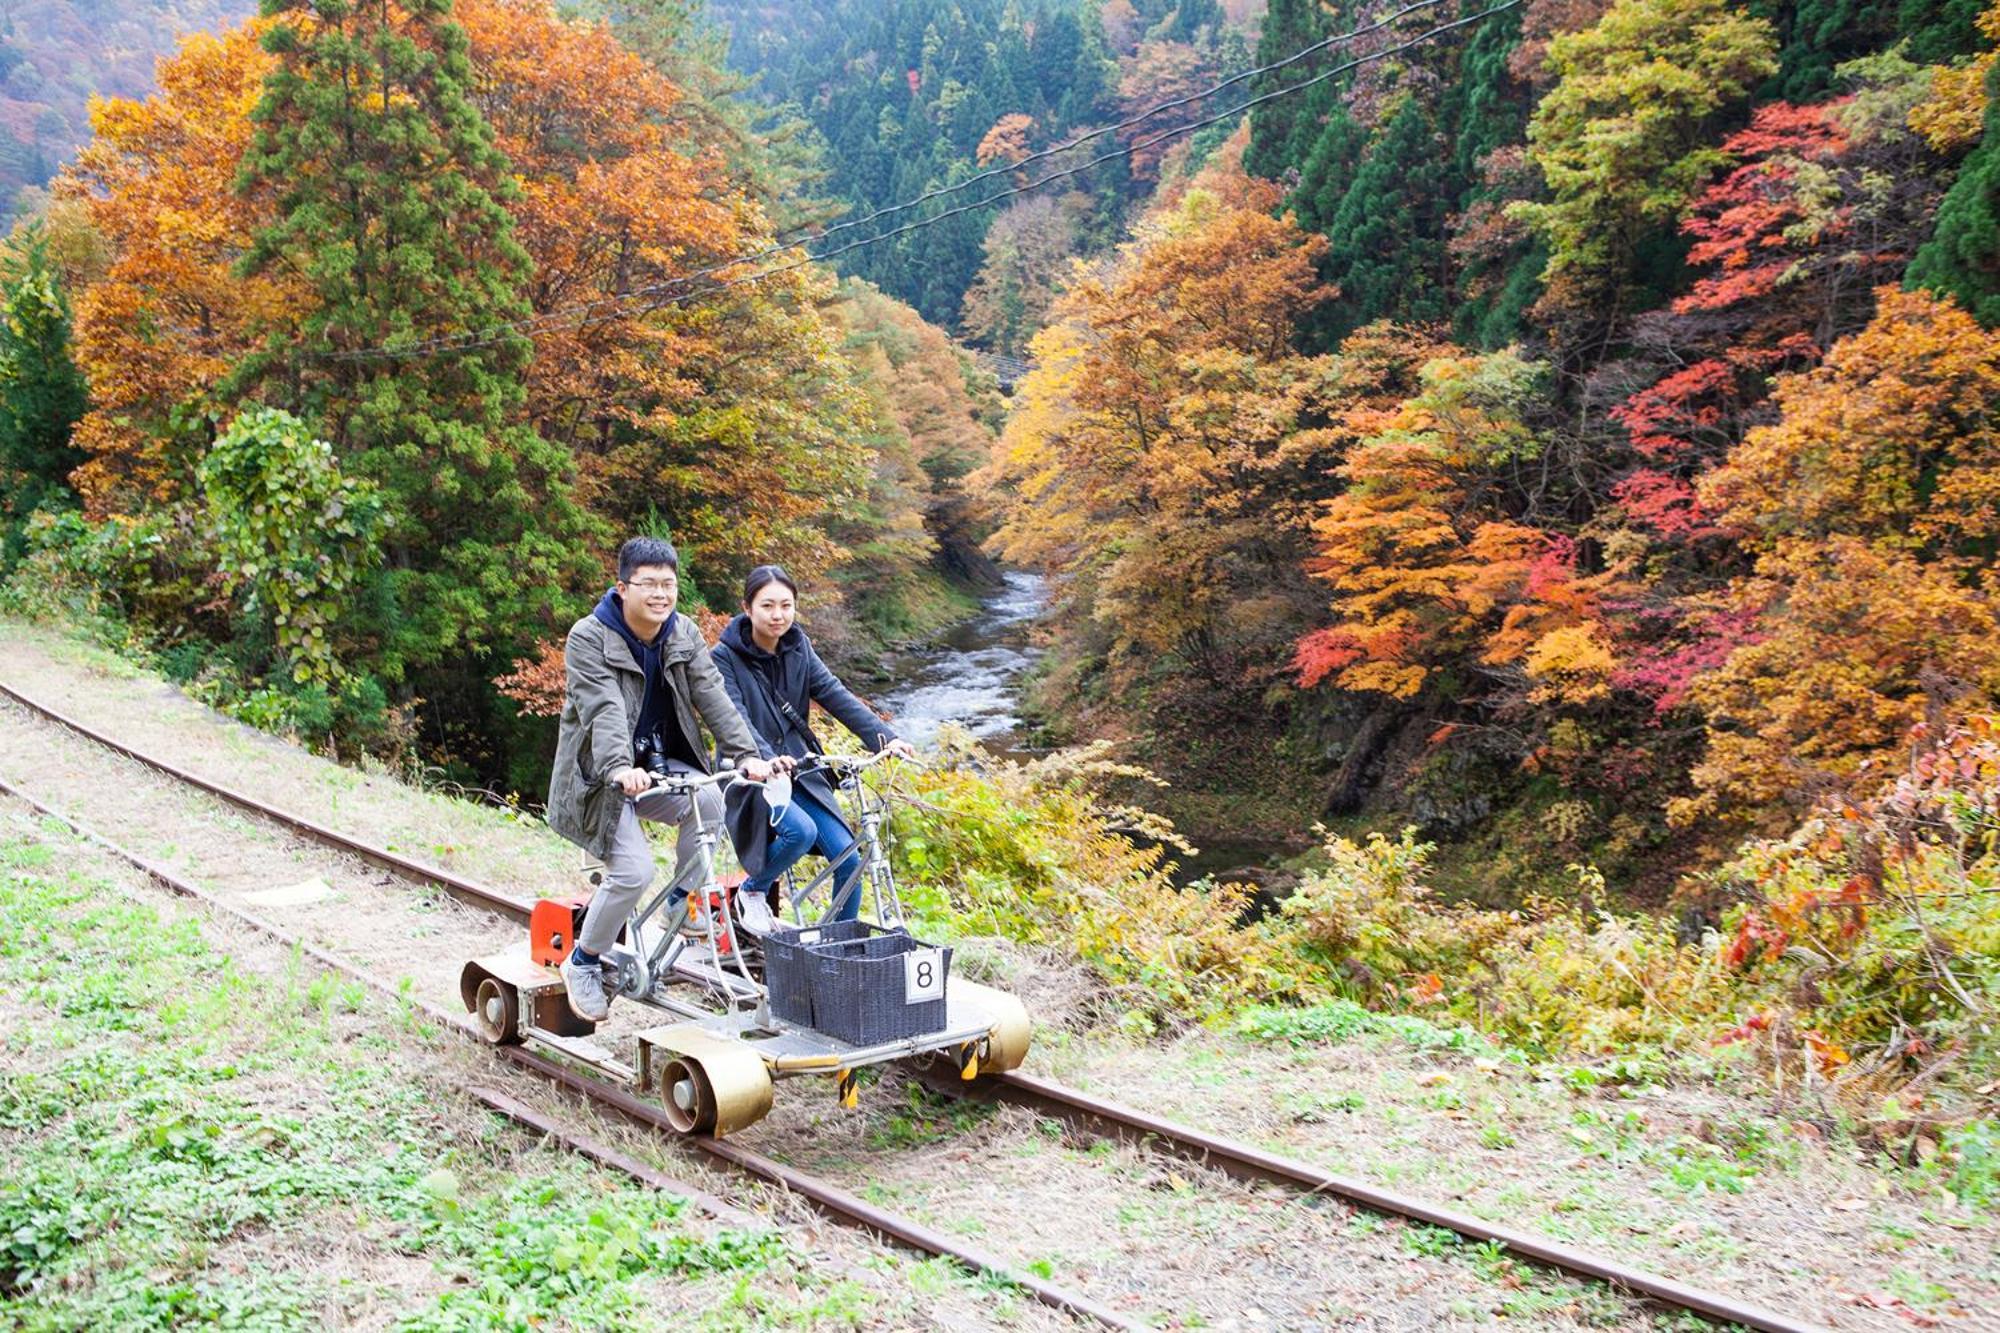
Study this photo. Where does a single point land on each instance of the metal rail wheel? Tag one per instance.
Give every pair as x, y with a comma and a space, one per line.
496, 1011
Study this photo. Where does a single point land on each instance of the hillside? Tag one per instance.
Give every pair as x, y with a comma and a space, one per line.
911, 97
56, 54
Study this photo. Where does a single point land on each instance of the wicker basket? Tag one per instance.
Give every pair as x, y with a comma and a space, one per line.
788, 966
878, 986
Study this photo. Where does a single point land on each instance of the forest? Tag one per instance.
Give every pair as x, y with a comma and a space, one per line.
1540, 459
56, 54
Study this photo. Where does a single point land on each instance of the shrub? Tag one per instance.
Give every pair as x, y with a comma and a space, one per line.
292, 533
1368, 923
1862, 954
106, 578
1029, 852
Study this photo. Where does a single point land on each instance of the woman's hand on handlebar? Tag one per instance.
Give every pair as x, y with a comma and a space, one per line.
901, 748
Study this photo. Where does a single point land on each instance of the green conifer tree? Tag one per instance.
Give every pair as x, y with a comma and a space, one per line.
1815, 36
1386, 236
1191, 18
1962, 260
41, 391
1283, 130
387, 193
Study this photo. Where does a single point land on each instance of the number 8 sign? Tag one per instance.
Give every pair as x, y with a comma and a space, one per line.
923, 975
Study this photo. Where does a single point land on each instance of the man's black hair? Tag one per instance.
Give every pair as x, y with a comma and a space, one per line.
636, 554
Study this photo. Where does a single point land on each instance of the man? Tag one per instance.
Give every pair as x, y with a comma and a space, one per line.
637, 676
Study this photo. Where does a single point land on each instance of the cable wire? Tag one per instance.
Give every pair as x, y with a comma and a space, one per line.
660, 295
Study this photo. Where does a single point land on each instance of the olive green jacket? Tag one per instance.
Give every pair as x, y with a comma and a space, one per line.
604, 690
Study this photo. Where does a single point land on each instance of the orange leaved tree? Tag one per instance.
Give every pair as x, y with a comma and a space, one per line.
1152, 459
1871, 505
170, 317
1436, 574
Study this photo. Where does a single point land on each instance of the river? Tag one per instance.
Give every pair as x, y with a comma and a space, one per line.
971, 674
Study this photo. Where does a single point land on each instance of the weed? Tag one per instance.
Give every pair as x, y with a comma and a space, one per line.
1696, 1166
1334, 1021
1491, 1259
1967, 1163
1915, 1289
1312, 1108
1432, 1242
927, 1117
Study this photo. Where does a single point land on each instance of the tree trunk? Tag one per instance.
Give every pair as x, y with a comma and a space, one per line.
1348, 788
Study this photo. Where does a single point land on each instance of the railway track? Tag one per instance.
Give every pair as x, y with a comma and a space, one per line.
1083, 1111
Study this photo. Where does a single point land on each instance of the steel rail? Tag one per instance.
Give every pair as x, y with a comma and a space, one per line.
456, 885
1247, 1162
829, 1199
1093, 1113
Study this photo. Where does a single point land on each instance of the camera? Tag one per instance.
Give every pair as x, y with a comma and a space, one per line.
650, 753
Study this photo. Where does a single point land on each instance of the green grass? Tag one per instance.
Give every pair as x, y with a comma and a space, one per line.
174, 1122
1335, 1021
926, 1117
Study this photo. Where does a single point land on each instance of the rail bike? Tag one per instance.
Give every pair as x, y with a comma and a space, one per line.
748, 996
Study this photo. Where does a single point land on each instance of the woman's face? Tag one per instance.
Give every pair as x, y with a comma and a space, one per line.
772, 611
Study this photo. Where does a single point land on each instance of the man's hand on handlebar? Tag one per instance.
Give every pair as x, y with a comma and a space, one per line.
760, 770
633, 781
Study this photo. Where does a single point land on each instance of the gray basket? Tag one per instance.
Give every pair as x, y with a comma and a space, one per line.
878, 987
788, 966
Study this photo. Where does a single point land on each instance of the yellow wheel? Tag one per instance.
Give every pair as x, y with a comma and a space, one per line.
718, 1092
1008, 1031
689, 1096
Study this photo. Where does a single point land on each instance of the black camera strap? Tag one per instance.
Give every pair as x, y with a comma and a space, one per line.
784, 709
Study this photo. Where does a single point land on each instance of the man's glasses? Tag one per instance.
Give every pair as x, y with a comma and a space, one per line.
653, 585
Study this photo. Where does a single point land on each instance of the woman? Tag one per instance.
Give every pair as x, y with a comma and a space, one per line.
770, 669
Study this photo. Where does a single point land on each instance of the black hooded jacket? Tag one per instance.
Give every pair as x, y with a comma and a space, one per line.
775, 691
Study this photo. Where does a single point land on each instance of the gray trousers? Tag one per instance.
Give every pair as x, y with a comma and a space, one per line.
629, 868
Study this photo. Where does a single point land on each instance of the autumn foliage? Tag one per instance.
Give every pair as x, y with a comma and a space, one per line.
170, 317
1870, 505
1427, 565
720, 411
1154, 457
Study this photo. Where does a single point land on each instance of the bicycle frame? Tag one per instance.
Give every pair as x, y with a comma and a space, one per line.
641, 969
657, 950
870, 810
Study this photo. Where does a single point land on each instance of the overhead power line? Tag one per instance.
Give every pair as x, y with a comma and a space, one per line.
693, 285
1057, 150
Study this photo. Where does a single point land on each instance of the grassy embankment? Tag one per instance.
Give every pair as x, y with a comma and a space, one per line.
195, 1135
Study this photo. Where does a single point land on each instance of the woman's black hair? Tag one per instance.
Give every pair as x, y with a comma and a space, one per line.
763, 577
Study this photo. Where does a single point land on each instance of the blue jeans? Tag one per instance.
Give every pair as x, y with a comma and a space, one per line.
807, 826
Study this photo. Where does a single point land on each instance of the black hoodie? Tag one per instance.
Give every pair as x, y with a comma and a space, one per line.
775, 693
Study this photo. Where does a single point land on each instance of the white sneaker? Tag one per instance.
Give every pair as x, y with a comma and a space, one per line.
754, 914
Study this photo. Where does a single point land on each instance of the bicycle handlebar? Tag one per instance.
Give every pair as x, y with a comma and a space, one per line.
681, 784
850, 763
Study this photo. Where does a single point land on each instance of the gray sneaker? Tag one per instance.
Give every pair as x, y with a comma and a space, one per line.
587, 997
